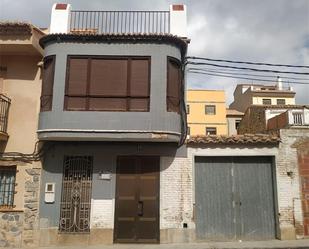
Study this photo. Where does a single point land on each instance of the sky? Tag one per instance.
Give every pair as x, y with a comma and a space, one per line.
271, 31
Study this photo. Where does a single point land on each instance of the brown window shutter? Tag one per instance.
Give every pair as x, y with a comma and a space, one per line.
77, 76
108, 77
139, 83
47, 83
139, 86
108, 84
76, 85
173, 86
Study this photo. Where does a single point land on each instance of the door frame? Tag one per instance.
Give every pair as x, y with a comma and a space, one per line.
158, 202
273, 159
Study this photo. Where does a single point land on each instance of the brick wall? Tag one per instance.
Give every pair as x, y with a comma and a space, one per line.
278, 122
288, 181
176, 205
303, 163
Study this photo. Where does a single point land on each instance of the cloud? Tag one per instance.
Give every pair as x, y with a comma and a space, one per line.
264, 31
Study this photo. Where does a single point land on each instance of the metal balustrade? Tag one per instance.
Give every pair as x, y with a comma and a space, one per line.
120, 22
297, 118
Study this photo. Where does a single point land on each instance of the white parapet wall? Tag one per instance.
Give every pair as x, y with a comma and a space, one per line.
60, 19
178, 20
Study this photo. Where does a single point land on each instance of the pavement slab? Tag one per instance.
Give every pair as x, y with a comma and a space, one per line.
275, 244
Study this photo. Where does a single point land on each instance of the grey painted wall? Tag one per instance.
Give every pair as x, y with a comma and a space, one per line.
104, 159
158, 119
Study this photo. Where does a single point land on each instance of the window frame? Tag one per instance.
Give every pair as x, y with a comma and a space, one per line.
214, 128
53, 57
12, 192
263, 100
87, 96
180, 85
215, 111
283, 100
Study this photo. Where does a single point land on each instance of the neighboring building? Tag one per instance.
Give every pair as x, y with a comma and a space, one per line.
255, 94
20, 166
233, 187
206, 112
271, 118
291, 123
233, 118
112, 106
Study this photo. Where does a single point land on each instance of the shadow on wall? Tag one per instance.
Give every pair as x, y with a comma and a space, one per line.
20, 67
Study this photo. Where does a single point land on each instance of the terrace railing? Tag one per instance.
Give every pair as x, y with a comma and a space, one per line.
118, 22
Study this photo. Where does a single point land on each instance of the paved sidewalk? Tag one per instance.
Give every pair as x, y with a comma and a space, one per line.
210, 245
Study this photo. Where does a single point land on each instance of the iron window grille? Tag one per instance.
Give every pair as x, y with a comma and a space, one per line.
7, 186
75, 203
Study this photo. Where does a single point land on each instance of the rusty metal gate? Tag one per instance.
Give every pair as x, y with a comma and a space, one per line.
234, 198
76, 194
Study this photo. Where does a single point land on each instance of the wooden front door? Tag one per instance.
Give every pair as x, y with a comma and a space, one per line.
137, 200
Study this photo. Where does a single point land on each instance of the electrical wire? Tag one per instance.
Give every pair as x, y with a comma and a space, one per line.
255, 79
247, 62
239, 72
245, 68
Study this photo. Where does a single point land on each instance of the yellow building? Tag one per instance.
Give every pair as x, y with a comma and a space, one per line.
206, 112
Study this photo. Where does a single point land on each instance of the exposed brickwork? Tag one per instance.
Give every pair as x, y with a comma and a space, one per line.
288, 180
303, 163
176, 205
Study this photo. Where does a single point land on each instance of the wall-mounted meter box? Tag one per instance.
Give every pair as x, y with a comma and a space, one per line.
50, 192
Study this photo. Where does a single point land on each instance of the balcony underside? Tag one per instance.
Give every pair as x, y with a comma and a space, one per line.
95, 135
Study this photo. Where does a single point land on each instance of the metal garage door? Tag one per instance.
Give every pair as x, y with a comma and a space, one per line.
234, 198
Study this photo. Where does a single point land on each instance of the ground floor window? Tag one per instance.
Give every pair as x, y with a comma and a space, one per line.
7, 186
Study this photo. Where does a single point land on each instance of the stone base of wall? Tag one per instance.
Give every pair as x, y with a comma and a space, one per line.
177, 235
97, 236
11, 228
287, 233
52, 237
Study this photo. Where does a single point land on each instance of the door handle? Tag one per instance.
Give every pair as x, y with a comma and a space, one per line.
140, 208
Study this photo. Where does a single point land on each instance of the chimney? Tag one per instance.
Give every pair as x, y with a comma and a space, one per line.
178, 20
279, 83
60, 19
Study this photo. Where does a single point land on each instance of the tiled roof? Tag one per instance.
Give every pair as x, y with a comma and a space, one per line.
233, 112
280, 106
17, 28
119, 37
9, 28
236, 139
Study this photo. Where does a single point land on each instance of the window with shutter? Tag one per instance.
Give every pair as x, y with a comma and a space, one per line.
108, 84
47, 83
173, 95
76, 87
